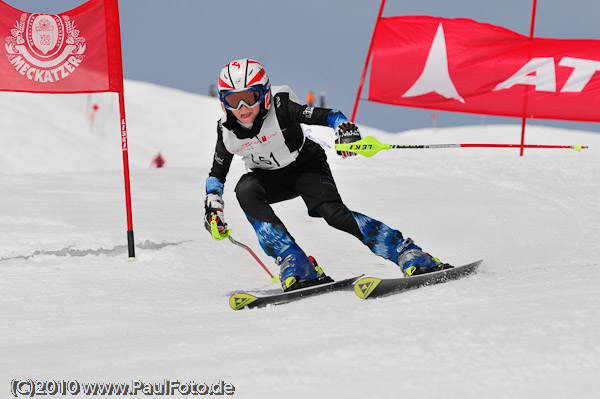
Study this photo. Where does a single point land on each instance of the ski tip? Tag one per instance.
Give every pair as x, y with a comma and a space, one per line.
240, 301
477, 263
365, 286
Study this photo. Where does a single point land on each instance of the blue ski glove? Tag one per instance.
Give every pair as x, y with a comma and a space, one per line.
347, 132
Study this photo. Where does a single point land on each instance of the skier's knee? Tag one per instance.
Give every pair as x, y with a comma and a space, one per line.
337, 215
330, 211
249, 190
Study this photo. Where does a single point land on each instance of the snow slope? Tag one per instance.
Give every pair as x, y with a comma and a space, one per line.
73, 308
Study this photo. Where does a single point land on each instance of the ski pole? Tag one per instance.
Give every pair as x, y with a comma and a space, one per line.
214, 229
274, 279
369, 146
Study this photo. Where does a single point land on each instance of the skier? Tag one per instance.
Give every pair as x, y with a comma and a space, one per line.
158, 161
262, 125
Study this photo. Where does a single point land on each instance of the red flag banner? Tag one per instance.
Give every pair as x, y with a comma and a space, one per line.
466, 66
73, 52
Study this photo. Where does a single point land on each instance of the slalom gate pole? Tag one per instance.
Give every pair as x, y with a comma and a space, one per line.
124, 148
369, 146
227, 234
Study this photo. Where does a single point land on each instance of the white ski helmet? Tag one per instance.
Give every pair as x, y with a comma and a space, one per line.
244, 75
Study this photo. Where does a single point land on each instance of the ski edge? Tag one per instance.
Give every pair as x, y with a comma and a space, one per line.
364, 287
245, 300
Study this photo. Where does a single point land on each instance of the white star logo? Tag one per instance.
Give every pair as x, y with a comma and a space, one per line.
435, 77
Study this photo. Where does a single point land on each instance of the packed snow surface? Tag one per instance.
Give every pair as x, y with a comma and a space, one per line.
73, 307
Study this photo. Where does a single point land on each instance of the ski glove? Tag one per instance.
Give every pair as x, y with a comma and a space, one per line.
213, 205
347, 132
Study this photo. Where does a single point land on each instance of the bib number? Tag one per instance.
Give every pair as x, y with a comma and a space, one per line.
261, 160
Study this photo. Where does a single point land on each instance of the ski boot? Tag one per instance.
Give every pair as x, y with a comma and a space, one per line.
413, 261
299, 271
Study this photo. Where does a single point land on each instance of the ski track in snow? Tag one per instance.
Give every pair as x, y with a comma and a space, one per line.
72, 306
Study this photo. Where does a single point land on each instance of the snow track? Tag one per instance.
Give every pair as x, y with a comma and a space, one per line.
527, 325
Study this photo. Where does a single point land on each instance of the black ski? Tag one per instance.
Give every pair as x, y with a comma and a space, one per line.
370, 287
246, 300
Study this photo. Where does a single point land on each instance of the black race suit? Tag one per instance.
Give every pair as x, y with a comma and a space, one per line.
284, 165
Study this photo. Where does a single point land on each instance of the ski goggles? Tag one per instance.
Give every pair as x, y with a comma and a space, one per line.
233, 100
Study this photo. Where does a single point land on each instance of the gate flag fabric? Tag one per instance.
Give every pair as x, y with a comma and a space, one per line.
465, 66
78, 51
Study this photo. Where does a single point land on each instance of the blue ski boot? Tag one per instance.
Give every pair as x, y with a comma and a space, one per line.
413, 261
298, 271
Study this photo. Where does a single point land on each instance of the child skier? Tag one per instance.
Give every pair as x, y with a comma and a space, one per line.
262, 125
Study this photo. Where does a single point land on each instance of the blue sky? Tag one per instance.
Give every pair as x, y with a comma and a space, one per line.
309, 44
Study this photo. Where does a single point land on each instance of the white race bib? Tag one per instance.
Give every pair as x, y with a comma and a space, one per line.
268, 149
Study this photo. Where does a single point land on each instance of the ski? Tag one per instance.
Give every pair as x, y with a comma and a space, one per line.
370, 287
247, 300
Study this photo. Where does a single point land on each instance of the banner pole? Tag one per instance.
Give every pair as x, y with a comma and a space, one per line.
532, 27
523, 122
364, 72
124, 148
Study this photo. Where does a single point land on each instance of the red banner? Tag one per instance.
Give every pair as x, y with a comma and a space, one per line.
73, 52
466, 66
